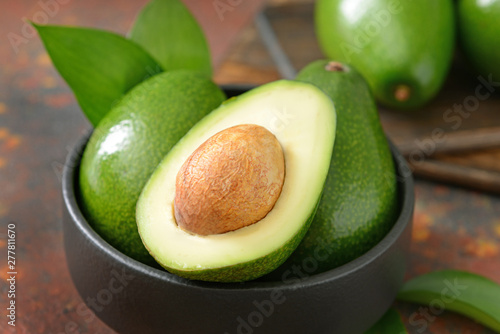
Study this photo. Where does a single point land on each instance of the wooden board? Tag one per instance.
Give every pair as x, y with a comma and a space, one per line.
454, 139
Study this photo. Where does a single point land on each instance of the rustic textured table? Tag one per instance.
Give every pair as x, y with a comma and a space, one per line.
40, 121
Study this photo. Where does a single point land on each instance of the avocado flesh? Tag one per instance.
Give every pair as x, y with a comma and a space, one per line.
392, 43
359, 204
479, 36
303, 120
127, 145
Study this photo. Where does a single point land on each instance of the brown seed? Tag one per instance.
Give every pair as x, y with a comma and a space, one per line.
231, 181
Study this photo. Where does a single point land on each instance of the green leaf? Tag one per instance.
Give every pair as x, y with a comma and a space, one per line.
469, 294
390, 323
99, 66
168, 31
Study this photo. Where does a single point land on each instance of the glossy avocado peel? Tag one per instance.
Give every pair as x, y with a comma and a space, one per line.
479, 38
403, 49
359, 204
127, 145
235, 196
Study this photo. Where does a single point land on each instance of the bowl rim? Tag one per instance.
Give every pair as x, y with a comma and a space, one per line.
405, 193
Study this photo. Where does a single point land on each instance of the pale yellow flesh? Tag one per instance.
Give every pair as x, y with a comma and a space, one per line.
303, 121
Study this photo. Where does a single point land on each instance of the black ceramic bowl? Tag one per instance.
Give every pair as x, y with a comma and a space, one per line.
135, 298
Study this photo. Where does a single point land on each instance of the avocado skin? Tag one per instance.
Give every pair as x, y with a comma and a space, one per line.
391, 43
127, 145
479, 35
359, 204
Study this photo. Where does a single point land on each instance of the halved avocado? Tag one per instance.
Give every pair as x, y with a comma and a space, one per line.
303, 120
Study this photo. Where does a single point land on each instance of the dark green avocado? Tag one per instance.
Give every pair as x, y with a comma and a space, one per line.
359, 203
127, 145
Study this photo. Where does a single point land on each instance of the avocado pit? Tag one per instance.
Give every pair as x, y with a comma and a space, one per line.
231, 181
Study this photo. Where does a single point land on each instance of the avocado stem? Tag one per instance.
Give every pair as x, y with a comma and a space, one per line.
335, 66
402, 93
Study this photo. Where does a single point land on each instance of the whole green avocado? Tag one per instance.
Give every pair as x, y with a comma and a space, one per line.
479, 35
127, 145
359, 203
402, 48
